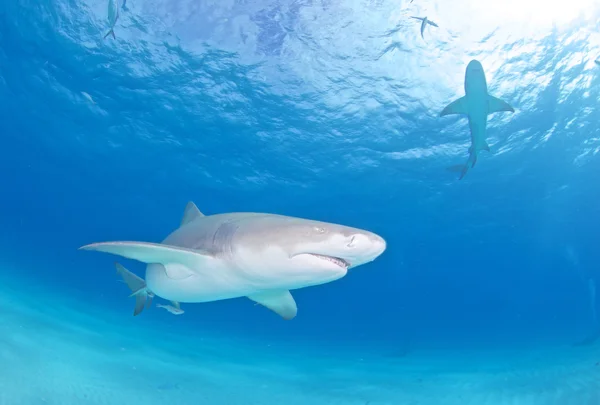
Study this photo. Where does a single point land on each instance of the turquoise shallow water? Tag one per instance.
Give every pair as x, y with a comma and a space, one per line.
326, 110
55, 352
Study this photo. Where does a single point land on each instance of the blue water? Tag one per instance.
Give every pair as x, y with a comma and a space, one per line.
317, 109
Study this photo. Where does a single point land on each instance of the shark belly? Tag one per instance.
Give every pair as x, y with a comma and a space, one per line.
217, 283
478, 120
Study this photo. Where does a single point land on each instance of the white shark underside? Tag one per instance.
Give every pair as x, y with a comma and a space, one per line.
477, 104
254, 255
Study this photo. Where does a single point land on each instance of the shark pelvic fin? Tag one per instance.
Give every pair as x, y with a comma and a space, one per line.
191, 212
497, 105
279, 301
459, 106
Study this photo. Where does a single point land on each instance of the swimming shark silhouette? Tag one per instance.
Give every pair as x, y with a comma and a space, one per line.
113, 16
477, 104
254, 255
424, 22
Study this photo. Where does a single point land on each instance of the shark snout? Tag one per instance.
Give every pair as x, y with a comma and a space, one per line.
369, 246
378, 245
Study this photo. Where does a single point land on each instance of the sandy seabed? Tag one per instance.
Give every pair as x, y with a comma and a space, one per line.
59, 353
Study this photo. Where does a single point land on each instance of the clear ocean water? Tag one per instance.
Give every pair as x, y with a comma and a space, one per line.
326, 110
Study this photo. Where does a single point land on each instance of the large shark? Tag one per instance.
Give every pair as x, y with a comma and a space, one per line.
254, 255
477, 104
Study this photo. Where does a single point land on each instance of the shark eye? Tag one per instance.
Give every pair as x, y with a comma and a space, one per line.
351, 244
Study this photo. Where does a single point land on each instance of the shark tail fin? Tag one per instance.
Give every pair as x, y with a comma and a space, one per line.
464, 168
111, 32
138, 287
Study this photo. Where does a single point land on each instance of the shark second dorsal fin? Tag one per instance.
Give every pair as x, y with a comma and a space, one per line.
191, 212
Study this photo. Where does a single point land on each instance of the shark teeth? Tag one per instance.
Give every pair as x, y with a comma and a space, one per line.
335, 260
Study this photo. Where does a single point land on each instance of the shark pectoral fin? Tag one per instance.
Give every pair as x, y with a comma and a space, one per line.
191, 212
279, 301
152, 253
497, 105
459, 106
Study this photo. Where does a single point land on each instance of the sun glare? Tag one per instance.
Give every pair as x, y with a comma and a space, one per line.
545, 12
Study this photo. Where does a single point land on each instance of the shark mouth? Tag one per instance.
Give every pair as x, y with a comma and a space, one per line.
335, 260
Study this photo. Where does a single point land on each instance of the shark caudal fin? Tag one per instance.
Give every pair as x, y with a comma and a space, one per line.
464, 168
111, 32
138, 288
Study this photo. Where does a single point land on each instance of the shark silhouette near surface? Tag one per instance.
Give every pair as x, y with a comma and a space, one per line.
476, 104
424, 22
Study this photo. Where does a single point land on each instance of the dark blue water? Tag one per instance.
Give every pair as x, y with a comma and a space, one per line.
322, 110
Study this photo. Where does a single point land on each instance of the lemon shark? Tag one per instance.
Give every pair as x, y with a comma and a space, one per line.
476, 104
255, 255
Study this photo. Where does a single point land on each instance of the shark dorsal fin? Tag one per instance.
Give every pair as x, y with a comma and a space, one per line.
191, 212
